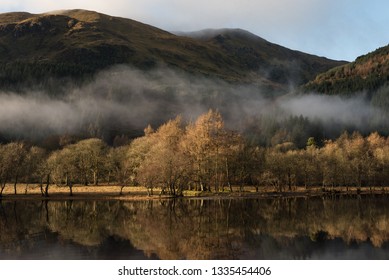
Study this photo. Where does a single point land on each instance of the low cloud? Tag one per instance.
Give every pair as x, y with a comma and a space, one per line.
353, 111
124, 100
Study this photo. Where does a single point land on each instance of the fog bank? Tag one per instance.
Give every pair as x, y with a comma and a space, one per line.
124, 100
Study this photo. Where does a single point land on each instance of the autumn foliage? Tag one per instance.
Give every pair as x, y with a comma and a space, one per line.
201, 156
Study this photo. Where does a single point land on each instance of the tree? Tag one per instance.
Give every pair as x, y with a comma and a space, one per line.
311, 142
4, 169
62, 166
244, 162
91, 158
332, 164
165, 164
135, 157
14, 159
119, 166
280, 166
356, 151
35, 160
379, 149
203, 143
79, 162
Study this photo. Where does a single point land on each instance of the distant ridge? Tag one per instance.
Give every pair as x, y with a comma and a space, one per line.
78, 43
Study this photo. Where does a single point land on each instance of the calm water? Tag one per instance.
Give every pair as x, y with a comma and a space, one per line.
347, 228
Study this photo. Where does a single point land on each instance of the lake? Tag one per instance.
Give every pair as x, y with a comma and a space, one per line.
278, 228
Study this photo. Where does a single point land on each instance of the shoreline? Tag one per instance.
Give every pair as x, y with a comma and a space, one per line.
140, 194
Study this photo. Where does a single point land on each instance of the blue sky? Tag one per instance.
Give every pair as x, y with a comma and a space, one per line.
337, 29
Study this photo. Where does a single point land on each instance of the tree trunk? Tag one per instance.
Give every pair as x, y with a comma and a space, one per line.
41, 186
2, 189
151, 189
95, 179
256, 188
202, 187
228, 176
289, 181
85, 180
47, 186
16, 181
241, 186
69, 183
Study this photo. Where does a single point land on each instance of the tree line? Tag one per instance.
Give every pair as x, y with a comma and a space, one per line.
202, 155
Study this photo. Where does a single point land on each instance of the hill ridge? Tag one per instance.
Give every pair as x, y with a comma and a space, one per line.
79, 43
368, 72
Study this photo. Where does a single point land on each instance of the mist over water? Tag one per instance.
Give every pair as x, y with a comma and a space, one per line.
123, 100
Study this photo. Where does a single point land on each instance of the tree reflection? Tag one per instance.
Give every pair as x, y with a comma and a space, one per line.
283, 228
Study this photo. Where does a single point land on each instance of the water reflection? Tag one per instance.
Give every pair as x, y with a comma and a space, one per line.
294, 228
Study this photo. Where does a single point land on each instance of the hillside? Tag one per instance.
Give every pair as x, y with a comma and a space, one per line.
277, 63
77, 43
367, 73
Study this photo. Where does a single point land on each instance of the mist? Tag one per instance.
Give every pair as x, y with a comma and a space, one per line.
124, 100
355, 111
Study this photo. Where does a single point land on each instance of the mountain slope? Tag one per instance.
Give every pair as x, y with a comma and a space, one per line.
367, 73
78, 43
275, 62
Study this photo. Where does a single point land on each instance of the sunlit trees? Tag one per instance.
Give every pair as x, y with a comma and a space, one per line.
13, 162
332, 164
34, 162
62, 167
360, 159
124, 161
203, 143
82, 162
203, 155
356, 159
135, 160
166, 159
379, 147
19, 163
91, 158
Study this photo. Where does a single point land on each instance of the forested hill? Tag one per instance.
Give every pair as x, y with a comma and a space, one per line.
367, 73
79, 43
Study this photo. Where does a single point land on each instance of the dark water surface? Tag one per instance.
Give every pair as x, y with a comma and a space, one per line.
293, 228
